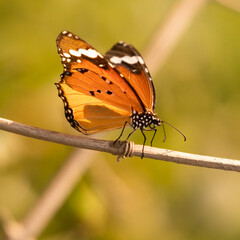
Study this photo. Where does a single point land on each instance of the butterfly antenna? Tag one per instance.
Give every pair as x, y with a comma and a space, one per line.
164, 132
174, 128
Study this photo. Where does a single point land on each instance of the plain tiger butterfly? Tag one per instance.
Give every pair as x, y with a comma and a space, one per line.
106, 92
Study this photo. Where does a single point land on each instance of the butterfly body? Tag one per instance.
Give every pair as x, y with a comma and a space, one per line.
105, 92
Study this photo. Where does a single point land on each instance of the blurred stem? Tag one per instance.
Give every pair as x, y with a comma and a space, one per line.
168, 35
232, 4
52, 198
57, 191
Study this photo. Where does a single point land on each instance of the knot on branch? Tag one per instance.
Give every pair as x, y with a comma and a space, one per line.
125, 149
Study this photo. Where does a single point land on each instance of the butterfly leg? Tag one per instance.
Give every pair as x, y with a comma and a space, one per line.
144, 141
155, 131
130, 134
121, 132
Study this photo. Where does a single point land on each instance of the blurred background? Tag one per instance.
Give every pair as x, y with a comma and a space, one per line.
197, 90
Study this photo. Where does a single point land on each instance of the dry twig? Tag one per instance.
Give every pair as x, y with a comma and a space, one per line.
109, 147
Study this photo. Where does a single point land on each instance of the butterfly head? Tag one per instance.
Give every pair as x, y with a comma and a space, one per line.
156, 121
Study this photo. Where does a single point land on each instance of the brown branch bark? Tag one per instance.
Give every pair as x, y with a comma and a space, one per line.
109, 147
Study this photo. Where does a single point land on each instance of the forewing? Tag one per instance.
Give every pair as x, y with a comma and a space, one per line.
90, 73
130, 63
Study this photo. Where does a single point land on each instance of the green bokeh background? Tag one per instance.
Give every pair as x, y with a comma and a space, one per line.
197, 91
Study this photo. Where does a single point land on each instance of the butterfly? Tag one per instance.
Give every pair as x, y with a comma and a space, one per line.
105, 92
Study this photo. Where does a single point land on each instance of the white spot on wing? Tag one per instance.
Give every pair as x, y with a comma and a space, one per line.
116, 60
126, 59
75, 53
130, 60
122, 43
67, 55
111, 65
89, 53
140, 60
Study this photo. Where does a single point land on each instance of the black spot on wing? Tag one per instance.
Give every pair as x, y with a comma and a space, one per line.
82, 70
92, 93
68, 73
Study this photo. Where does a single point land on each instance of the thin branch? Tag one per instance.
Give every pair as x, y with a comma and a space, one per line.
57, 137
109, 147
190, 159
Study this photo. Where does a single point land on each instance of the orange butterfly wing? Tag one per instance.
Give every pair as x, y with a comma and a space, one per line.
88, 114
131, 64
96, 95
